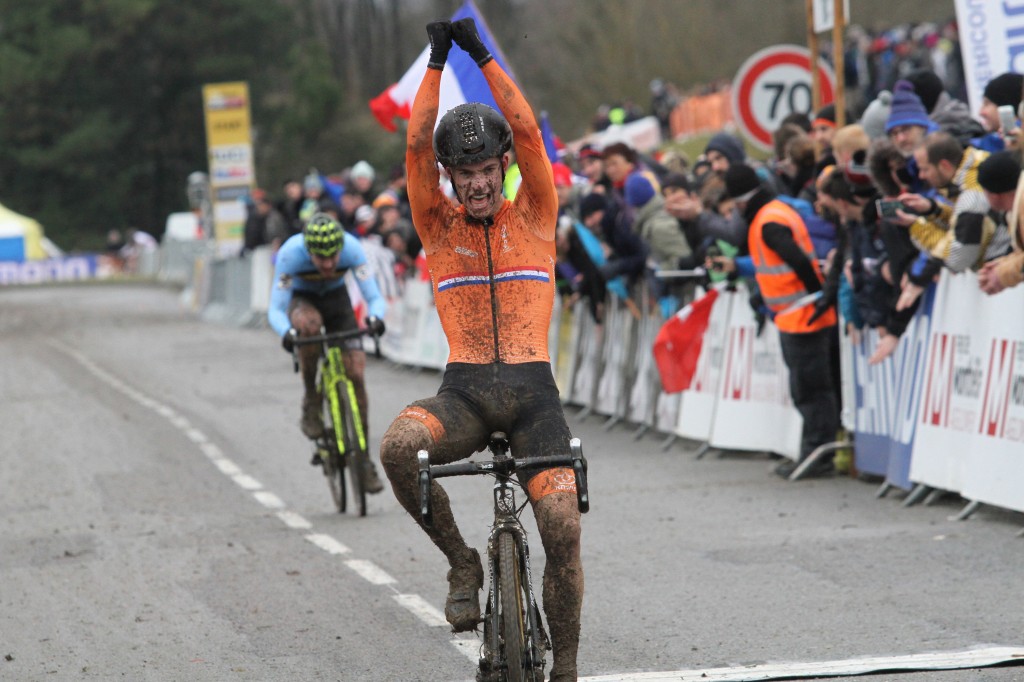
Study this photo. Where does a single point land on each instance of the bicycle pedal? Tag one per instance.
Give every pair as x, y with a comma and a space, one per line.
316, 460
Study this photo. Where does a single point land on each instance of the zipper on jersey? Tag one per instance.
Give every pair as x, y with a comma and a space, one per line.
490, 282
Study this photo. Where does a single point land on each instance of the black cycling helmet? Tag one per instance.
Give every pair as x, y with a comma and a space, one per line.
471, 133
323, 235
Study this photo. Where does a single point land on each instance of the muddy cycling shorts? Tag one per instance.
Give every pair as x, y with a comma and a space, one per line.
335, 309
521, 400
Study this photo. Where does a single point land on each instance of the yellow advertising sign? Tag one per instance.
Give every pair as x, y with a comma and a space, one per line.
229, 151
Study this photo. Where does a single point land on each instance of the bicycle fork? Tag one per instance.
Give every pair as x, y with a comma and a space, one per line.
537, 638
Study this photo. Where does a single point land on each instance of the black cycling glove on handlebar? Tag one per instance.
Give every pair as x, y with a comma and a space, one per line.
440, 34
376, 325
288, 340
465, 35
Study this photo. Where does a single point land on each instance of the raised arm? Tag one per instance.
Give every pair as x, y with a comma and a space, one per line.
425, 197
538, 188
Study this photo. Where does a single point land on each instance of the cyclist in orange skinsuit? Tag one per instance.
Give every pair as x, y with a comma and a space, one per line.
492, 266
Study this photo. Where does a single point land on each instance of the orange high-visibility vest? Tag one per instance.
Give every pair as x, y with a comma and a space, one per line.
780, 286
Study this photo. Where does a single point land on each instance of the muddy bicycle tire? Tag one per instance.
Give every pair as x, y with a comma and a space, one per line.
334, 472
352, 459
513, 611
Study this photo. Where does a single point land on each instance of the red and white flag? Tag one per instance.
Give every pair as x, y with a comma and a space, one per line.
678, 343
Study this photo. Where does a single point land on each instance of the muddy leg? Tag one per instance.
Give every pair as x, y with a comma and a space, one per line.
558, 520
398, 451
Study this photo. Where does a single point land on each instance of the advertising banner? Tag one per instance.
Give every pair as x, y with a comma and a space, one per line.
951, 402
230, 157
754, 410
994, 473
991, 42
886, 398
64, 269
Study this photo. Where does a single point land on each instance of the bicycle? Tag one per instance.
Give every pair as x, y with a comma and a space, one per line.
514, 639
343, 443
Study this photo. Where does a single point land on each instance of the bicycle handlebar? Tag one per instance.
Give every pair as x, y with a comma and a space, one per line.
502, 466
333, 336
327, 337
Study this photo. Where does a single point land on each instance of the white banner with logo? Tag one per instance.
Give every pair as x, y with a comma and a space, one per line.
754, 409
991, 42
970, 434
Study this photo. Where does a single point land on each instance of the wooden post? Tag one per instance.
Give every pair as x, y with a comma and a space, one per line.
838, 60
812, 46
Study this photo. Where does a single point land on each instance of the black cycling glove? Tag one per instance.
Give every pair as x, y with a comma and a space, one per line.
465, 36
288, 340
376, 325
440, 34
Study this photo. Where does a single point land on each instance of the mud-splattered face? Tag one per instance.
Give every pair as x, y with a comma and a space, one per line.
478, 186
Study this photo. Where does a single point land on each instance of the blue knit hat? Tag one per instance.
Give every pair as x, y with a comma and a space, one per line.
639, 190
907, 109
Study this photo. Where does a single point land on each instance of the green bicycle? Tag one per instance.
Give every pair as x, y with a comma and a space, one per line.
343, 444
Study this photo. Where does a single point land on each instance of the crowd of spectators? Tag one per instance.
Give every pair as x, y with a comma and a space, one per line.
916, 184
365, 205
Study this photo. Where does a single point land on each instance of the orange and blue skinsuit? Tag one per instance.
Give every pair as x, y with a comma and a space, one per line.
494, 289
493, 282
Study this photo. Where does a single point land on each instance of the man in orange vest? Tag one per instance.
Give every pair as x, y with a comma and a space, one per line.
788, 275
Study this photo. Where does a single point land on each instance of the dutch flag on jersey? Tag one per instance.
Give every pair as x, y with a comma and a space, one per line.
506, 275
461, 80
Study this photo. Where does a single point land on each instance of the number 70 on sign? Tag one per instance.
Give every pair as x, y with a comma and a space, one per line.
772, 84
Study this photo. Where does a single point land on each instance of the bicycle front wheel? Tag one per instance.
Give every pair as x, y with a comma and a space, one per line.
513, 611
353, 459
334, 471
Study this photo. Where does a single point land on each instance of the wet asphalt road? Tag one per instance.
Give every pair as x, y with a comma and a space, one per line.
129, 550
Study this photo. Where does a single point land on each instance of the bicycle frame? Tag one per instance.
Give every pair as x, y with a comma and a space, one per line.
332, 374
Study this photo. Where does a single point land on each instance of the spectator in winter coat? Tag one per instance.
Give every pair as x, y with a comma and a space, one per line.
721, 152
999, 176
1003, 90
659, 230
948, 113
888, 171
677, 190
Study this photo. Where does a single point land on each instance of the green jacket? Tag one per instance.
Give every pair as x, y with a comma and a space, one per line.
662, 233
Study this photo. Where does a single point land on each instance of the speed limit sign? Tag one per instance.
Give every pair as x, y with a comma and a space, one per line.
772, 84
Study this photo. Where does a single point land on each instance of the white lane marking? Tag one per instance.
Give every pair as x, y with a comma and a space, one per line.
227, 467
422, 609
949, 660
246, 481
469, 647
181, 423
196, 436
293, 520
327, 543
370, 571
211, 450
268, 499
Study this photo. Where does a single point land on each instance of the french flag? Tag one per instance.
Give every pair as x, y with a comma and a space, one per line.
461, 80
